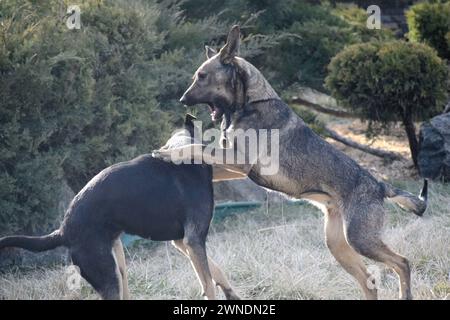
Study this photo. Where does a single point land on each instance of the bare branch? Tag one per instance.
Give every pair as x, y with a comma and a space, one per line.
388, 155
322, 109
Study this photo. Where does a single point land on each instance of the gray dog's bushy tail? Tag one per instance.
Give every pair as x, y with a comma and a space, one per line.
417, 204
36, 244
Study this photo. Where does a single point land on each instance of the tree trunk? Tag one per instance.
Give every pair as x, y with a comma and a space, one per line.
411, 134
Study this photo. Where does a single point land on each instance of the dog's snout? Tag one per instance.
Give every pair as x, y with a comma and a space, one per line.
187, 99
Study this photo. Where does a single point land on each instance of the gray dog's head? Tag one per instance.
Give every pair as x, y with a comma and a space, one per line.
216, 81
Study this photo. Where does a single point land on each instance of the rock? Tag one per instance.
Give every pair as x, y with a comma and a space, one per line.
434, 152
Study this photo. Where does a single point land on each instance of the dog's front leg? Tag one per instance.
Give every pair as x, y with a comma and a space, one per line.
200, 154
221, 173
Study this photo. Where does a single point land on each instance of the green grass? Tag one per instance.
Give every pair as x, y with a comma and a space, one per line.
272, 252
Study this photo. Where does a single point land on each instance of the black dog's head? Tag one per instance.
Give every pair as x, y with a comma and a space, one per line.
217, 81
184, 136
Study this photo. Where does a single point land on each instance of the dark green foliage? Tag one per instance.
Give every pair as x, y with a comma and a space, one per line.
312, 36
75, 101
303, 37
430, 23
389, 81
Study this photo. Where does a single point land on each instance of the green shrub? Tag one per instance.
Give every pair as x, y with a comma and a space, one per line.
390, 81
430, 23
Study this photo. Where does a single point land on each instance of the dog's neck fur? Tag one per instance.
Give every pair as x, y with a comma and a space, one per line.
251, 88
257, 88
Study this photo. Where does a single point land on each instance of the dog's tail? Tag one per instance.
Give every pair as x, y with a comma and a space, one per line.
406, 200
36, 244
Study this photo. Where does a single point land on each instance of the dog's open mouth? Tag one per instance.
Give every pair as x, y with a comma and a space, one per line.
216, 112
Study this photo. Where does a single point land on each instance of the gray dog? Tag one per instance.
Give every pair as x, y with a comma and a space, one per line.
309, 168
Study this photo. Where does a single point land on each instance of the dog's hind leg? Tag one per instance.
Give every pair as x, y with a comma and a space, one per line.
221, 280
196, 253
348, 258
120, 258
217, 274
98, 266
363, 234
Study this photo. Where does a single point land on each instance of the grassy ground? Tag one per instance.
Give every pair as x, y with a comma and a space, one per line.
275, 252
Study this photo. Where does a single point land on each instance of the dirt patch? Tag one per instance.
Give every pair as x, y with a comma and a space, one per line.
396, 141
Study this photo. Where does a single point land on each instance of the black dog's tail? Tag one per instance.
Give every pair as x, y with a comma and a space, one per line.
417, 204
36, 244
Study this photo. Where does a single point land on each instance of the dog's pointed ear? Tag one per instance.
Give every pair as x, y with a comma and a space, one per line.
231, 48
188, 120
209, 52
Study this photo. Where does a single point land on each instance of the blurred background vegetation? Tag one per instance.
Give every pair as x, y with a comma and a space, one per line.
75, 101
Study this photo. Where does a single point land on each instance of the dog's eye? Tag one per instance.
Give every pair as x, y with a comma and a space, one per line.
201, 75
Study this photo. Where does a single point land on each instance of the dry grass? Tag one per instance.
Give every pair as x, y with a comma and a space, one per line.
277, 253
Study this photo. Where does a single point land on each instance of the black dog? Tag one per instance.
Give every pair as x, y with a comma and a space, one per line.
147, 197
